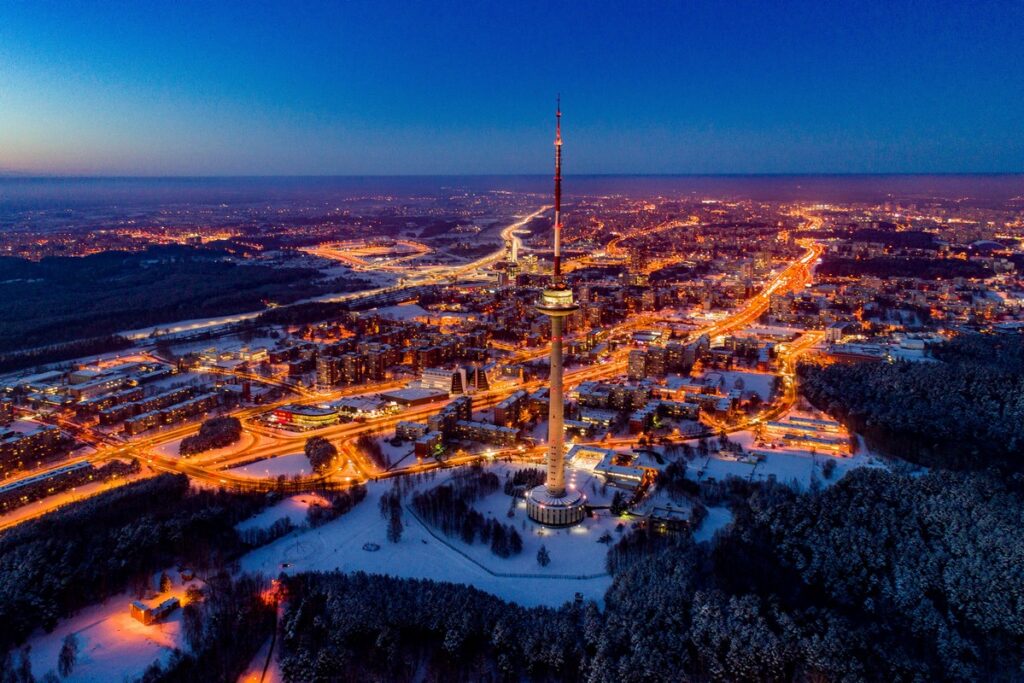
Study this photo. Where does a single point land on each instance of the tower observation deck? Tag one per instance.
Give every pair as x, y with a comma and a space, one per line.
553, 503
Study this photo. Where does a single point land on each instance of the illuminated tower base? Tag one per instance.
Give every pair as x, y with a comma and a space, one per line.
552, 504
549, 511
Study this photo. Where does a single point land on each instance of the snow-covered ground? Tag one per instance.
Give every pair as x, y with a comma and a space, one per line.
402, 312
112, 645
191, 325
226, 344
293, 507
574, 551
419, 554
718, 518
788, 465
400, 453
757, 382
288, 465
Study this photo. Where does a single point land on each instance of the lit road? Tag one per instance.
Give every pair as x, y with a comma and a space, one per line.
423, 276
356, 254
614, 248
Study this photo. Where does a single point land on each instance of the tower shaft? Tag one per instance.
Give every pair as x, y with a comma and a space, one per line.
556, 415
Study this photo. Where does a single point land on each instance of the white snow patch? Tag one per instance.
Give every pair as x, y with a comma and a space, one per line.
339, 545
288, 465
718, 518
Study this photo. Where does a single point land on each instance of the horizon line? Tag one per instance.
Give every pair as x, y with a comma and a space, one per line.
795, 174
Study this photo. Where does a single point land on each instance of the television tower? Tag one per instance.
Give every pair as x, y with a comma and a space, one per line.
552, 503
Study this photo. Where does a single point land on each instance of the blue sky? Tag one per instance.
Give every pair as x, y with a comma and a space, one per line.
217, 88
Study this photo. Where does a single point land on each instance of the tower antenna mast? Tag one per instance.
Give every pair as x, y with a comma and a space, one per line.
557, 269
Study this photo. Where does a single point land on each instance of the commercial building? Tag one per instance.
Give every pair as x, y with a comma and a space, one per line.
303, 417
454, 381
362, 406
413, 396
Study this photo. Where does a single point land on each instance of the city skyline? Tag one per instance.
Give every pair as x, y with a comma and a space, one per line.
317, 363
357, 90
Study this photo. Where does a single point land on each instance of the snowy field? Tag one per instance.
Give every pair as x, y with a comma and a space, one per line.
402, 453
293, 507
227, 344
574, 551
288, 465
718, 518
339, 545
757, 382
401, 312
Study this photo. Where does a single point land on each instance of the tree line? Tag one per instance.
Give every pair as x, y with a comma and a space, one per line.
61, 299
896, 266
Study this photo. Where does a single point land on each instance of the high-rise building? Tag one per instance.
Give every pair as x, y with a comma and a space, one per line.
328, 371
637, 365
553, 503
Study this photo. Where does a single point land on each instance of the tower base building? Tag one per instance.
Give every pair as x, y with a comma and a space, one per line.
549, 510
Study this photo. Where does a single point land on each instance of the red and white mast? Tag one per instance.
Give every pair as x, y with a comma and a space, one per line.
557, 272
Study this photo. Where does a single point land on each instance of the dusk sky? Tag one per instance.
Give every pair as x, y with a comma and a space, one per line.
183, 88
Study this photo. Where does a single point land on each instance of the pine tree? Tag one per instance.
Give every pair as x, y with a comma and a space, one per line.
499, 541
395, 527
68, 655
618, 504
193, 624
515, 541
543, 558
320, 452
23, 674
829, 468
